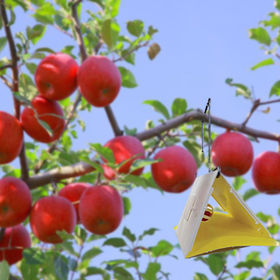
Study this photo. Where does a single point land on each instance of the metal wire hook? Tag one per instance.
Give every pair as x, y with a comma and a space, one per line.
207, 109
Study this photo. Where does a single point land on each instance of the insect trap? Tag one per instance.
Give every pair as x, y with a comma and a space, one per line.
203, 230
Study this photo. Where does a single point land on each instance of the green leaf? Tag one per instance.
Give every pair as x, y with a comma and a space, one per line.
152, 30
104, 152
3, 41
122, 274
277, 4
44, 13
135, 27
4, 270
263, 63
31, 67
94, 164
35, 33
179, 106
139, 163
45, 125
162, 248
136, 180
29, 271
128, 79
12, 17
240, 88
275, 90
61, 268
33, 256
216, 263
158, 107
273, 229
96, 271
21, 98
126, 205
242, 276
110, 33
99, 2
128, 234
255, 255
115, 242
91, 253
130, 131
112, 7
273, 22
250, 264
276, 271
260, 34
249, 194
195, 149
151, 271
200, 276
238, 182
48, 50
150, 231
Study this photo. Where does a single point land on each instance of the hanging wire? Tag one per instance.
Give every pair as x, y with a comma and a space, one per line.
207, 109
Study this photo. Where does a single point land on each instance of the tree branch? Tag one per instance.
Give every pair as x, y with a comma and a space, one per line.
15, 84
59, 174
255, 106
83, 168
198, 115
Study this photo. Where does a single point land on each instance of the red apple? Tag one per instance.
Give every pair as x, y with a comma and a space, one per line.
233, 153
51, 214
73, 193
56, 76
125, 148
99, 80
11, 137
47, 111
101, 209
14, 241
15, 201
177, 170
266, 172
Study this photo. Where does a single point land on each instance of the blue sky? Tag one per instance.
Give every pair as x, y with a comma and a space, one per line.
203, 43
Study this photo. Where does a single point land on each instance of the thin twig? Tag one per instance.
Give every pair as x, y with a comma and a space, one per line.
113, 121
270, 101
255, 106
77, 25
131, 51
15, 82
6, 82
6, 66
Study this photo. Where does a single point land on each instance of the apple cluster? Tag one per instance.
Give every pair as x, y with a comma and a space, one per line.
99, 208
233, 153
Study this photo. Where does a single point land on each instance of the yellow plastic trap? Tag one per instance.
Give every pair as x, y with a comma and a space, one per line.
236, 227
